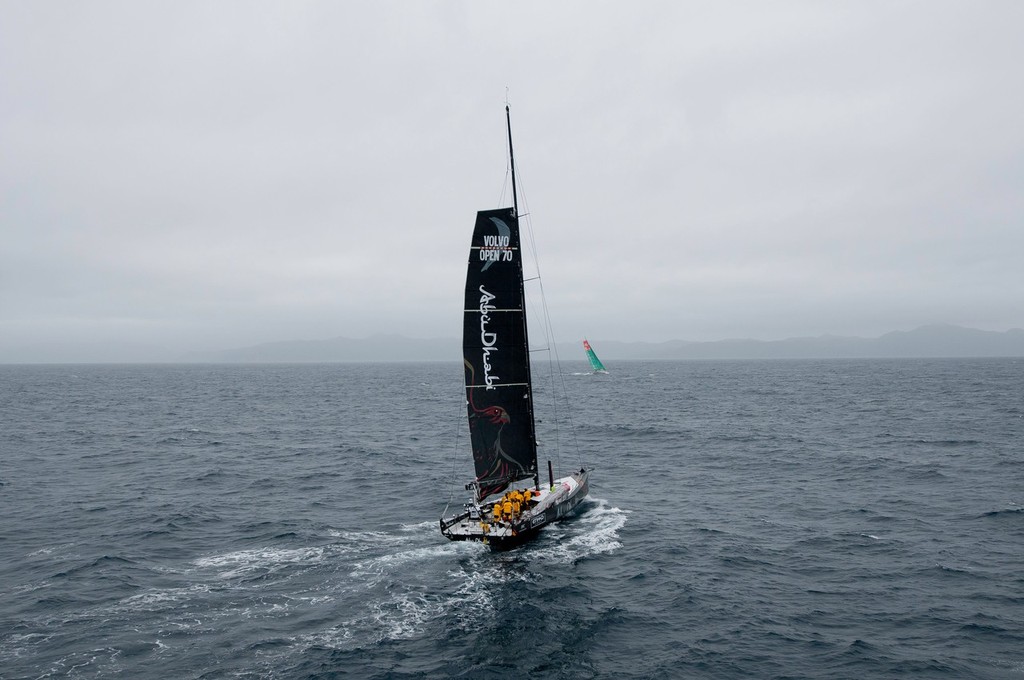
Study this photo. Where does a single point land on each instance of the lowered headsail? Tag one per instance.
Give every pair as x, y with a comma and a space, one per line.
499, 395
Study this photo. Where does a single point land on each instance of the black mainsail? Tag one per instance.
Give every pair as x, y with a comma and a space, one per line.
496, 355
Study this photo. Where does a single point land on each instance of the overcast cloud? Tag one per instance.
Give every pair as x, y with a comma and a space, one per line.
198, 175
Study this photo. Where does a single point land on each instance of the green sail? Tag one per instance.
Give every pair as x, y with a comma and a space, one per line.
595, 363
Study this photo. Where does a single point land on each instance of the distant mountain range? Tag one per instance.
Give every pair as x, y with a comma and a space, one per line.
926, 341
373, 348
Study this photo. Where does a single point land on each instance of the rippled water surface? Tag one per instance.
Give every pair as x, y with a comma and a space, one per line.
797, 519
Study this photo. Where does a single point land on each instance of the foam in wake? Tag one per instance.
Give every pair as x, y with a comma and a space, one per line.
245, 562
592, 532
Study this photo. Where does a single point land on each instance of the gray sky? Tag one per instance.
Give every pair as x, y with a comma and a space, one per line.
200, 175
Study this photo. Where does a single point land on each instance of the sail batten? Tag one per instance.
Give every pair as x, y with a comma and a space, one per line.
496, 355
496, 311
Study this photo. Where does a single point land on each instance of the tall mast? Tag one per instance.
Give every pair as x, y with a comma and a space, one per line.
522, 293
512, 161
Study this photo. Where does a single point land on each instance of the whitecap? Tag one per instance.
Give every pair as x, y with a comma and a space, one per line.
420, 527
243, 562
50, 549
366, 537
157, 600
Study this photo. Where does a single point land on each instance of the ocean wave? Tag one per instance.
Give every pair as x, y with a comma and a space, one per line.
362, 539
99, 563
158, 600
50, 549
419, 527
246, 562
1005, 512
380, 566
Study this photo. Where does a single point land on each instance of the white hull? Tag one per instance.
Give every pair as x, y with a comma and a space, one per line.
552, 504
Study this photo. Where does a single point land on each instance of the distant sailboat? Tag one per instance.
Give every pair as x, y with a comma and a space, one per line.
595, 363
499, 395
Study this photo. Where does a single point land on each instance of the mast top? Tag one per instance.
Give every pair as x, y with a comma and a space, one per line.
511, 157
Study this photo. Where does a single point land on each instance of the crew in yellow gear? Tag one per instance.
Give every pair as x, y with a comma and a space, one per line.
497, 512
516, 506
506, 508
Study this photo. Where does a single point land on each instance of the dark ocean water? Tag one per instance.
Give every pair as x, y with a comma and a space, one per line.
786, 519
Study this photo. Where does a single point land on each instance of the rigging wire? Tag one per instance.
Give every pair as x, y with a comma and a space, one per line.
549, 336
504, 185
455, 457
